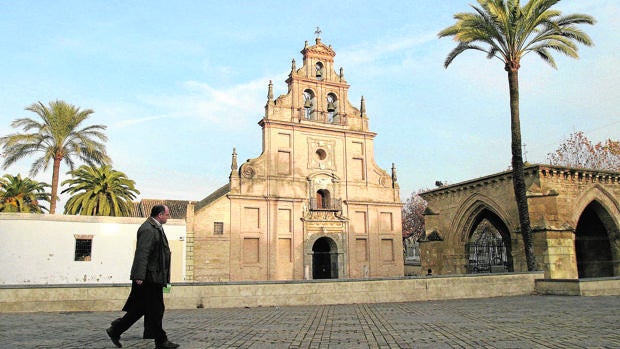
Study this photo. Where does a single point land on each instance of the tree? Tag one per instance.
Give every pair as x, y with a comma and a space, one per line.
504, 30
578, 151
19, 194
99, 191
413, 225
57, 137
413, 216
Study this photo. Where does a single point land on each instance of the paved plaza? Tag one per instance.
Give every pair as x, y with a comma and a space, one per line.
506, 322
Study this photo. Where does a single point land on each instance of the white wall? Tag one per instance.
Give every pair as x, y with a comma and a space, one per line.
40, 249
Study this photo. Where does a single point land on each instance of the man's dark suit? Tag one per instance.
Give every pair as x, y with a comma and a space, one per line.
151, 264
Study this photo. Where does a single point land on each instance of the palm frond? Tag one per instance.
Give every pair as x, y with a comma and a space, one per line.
545, 56
100, 191
508, 31
462, 47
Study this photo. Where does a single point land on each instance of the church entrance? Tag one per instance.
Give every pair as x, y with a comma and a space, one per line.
324, 259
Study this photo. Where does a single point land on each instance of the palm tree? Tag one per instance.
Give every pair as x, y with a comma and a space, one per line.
22, 195
57, 138
506, 31
99, 191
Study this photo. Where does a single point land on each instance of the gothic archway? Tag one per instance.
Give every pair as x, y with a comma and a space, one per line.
324, 259
489, 249
595, 256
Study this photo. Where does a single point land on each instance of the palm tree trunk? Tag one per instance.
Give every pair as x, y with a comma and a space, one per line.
55, 175
518, 177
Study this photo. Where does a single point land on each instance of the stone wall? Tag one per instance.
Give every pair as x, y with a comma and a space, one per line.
284, 293
583, 287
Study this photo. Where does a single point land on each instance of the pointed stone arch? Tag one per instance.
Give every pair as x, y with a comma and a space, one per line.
470, 209
595, 252
605, 198
597, 233
489, 245
493, 253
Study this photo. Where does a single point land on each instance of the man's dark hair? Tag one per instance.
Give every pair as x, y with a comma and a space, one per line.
157, 209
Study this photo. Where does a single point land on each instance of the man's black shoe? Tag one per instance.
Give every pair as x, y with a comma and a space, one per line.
166, 345
115, 339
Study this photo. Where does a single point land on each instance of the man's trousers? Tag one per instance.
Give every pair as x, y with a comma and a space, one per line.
144, 300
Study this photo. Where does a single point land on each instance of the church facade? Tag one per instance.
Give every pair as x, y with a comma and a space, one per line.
314, 204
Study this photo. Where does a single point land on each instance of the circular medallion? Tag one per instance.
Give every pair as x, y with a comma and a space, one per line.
384, 181
248, 171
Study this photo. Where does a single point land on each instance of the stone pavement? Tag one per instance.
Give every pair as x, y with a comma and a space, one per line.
506, 322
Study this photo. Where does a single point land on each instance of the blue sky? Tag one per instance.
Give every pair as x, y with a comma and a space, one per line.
179, 84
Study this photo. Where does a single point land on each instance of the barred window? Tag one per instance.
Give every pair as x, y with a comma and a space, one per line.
218, 228
83, 247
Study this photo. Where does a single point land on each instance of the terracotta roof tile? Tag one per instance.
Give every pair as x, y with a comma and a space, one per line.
223, 190
135, 210
178, 208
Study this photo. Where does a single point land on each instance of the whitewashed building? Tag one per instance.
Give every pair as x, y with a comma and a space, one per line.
42, 249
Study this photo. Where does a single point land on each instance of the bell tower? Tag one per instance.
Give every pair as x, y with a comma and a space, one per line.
317, 92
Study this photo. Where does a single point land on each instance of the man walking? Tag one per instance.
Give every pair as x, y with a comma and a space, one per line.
150, 273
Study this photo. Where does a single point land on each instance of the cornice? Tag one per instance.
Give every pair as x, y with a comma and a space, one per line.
573, 174
316, 126
562, 173
374, 203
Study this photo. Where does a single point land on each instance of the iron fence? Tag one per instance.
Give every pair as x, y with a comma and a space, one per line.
487, 256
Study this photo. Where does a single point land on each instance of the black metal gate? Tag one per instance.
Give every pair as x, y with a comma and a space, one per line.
487, 256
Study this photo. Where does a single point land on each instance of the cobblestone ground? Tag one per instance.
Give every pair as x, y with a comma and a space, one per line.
507, 322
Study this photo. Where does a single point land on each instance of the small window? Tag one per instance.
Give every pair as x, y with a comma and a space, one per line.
218, 228
323, 199
83, 247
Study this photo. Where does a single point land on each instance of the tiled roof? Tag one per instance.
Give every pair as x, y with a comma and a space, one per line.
223, 190
135, 210
178, 208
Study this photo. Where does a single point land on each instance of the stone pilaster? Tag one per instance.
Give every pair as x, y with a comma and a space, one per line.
557, 250
189, 243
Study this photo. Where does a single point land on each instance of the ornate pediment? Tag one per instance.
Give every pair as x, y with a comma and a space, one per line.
319, 50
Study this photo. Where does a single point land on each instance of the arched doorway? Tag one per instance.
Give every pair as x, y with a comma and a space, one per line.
324, 259
489, 246
594, 254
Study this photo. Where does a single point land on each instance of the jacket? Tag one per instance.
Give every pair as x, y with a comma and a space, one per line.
151, 262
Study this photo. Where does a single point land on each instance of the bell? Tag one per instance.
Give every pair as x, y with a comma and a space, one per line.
331, 107
319, 73
308, 104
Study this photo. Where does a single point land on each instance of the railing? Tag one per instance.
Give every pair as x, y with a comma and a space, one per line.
411, 250
323, 117
488, 256
325, 205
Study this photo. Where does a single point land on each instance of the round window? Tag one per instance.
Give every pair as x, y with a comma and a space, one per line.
321, 154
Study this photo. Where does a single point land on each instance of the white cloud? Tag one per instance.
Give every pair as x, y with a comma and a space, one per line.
227, 107
370, 53
133, 122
